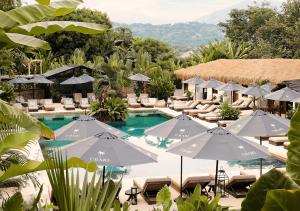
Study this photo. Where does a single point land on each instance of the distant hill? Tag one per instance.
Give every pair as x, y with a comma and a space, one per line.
222, 15
182, 36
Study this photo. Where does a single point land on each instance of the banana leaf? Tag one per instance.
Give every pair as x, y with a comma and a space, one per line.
282, 200
293, 162
34, 166
50, 27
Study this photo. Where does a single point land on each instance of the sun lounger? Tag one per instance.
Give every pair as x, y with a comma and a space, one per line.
178, 103
286, 144
18, 106
146, 102
91, 96
150, 187
69, 104
190, 184
209, 109
77, 97
278, 140
84, 103
238, 186
245, 104
216, 100
48, 105
179, 95
144, 95
133, 103
194, 112
188, 106
238, 102
33, 105
160, 103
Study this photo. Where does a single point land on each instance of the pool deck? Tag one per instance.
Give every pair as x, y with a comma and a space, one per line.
277, 151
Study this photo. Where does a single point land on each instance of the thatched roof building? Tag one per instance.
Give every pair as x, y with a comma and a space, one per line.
245, 71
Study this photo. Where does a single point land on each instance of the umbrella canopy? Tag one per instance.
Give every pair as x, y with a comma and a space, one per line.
86, 78
268, 87
18, 80
107, 149
255, 91
211, 84
194, 81
84, 127
72, 81
230, 87
38, 79
285, 94
259, 123
139, 77
180, 127
219, 144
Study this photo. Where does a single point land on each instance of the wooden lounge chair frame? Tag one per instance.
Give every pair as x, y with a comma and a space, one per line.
190, 184
238, 186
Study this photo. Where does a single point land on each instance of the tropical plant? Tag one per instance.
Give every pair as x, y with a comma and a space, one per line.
195, 201
19, 26
275, 190
110, 109
9, 93
228, 112
71, 194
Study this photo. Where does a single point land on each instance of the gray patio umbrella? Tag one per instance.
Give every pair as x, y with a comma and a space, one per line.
180, 127
18, 80
139, 77
86, 78
268, 87
285, 94
72, 81
39, 79
230, 87
194, 81
260, 124
107, 149
255, 91
218, 144
84, 127
211, 84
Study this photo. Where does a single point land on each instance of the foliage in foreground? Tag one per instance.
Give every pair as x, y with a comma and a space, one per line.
110, 109
275, 190
9, 93
195, 201
228, 112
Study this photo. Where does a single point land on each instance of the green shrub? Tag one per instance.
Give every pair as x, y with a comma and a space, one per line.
228, 112
9, 93
111, 109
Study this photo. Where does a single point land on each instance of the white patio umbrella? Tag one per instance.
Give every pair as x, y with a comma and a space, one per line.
194, 81
107, 149
218, 144
259, 124
211, 84
180, 127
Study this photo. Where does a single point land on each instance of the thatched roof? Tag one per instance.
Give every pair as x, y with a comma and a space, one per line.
245, 71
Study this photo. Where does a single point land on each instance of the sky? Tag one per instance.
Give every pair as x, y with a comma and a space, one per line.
156, 11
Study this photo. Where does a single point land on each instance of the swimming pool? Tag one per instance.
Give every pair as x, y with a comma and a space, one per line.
135, 126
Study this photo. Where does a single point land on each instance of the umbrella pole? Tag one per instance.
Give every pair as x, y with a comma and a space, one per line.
216, 177
254, 108
181, 163
260, 142
103, 175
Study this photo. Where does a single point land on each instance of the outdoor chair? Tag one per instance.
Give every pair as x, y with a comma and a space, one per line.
143, 95
190, 184
278, 140
208, 109
191, 105
91, 96
18, 106
20, 99
69, 104
48, 105
33, 105
160, 103
238, 186
238, 102
216, 99
129, 95
77, 97
178, 102
150, 187
194, 112
84, 103
245, 104
179, 95
146, 102
133, 103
